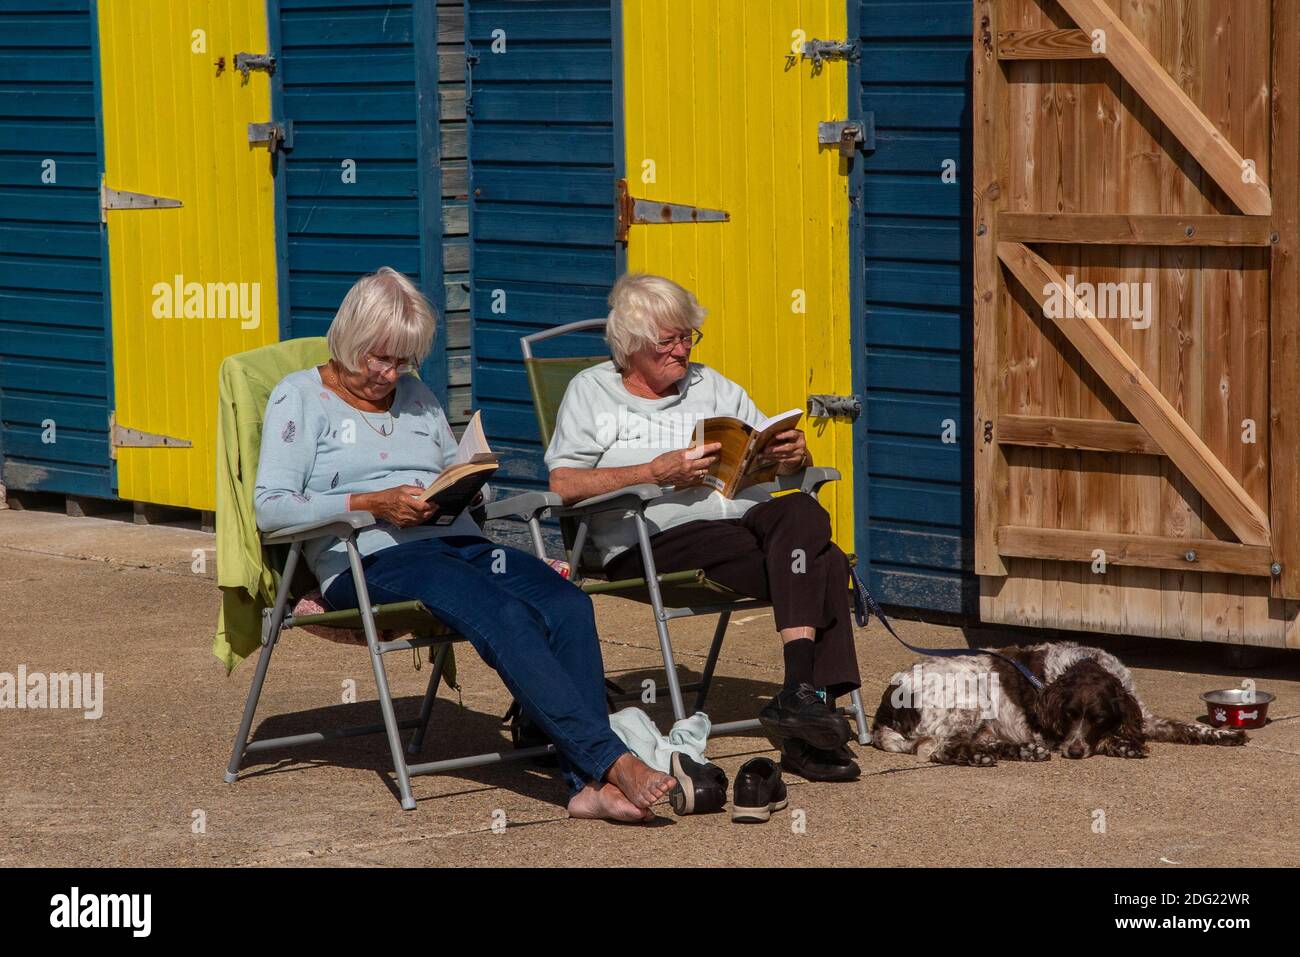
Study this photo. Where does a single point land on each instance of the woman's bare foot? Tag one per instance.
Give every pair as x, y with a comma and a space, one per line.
641, 784
606, 802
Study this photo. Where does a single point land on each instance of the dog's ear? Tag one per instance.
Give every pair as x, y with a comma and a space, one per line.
1130, 727
1127, 740
1049, 706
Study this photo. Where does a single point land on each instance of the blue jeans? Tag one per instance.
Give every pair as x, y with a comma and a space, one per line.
536, 629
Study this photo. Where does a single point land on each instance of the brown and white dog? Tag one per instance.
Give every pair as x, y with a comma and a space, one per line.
976, 709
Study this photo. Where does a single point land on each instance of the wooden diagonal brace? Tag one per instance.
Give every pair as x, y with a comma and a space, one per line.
1166, 98
1140, 396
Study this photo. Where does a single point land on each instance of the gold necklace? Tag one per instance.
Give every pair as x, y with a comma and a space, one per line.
338, 385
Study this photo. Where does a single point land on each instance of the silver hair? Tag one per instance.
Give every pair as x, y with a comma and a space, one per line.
640, 305
383, 310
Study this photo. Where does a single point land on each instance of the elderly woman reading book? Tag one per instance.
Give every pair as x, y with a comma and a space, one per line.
635, 420
360, 432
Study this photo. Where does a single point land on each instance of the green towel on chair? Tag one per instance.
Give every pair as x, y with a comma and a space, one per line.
245, 381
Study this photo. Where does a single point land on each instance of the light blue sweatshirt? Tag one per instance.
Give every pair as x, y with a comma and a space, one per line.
317, 450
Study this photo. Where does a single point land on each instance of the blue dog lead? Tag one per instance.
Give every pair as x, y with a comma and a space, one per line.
864, 602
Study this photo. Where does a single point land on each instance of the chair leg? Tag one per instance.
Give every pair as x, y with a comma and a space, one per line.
661, 623
250, 707
271, 637
426, 708
864, 733
711, 662
535, 532
381, 678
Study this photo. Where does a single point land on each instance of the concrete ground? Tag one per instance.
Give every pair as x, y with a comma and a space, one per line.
133, 787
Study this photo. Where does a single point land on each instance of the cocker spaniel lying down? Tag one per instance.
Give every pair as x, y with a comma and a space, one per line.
977, 709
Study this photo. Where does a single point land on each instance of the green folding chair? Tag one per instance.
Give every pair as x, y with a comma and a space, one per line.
413, 623
672, 595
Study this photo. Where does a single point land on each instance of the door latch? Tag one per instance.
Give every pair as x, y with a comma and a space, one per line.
247, 62
846, 134
831, 406
277, 137
821, 50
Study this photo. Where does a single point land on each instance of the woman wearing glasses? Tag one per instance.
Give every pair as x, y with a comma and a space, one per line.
631, 421
359, 433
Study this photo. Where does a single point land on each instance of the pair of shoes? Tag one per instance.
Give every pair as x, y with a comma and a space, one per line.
816, 764
759, 791
802, 713
700, 788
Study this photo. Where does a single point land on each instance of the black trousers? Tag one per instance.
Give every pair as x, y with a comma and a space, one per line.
778, 551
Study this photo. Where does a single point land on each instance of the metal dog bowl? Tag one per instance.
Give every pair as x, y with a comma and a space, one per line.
1237, 707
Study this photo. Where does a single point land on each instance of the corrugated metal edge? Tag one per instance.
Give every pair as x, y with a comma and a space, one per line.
110, 383
857, 310
428, 171
280, 182
472, 231
620, 120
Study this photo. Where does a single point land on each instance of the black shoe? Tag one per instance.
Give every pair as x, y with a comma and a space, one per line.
802, 713
525, 734
814, 764
758, 792
700, 788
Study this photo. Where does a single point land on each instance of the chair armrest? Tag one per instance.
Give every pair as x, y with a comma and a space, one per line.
808, 480
342, 525
525, 506
634, 497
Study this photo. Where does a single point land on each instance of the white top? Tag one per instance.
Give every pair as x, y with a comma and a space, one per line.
602, 425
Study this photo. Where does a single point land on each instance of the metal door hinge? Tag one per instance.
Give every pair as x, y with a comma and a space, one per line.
632, 211
831, 406
821, 50
247, 62
848, 134
122, 437
110, 198
276, 136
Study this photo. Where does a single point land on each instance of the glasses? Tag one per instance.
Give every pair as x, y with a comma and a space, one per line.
687, 339
381, 366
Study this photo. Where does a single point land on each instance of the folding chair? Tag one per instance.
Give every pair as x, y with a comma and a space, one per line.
672, 595
410, 618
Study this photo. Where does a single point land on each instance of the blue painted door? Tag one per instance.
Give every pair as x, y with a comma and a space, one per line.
543, 160
54, 347
912, 303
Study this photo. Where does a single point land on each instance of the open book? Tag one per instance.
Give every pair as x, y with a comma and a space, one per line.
740, 460
457, 485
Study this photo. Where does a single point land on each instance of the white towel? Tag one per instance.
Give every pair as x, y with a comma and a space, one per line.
690, 736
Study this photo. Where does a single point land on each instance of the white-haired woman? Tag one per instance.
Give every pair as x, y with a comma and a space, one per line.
613, 427
361, 433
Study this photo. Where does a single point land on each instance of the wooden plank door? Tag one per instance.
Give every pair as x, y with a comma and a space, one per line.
719, 113
1136, 406
193, 280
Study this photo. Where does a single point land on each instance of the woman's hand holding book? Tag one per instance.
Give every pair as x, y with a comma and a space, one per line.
400, 506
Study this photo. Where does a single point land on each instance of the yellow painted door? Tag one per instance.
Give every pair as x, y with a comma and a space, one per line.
192, 283
717, 116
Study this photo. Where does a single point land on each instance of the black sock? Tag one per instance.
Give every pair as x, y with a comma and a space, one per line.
798, 663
